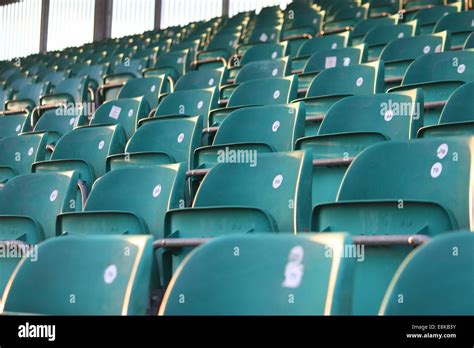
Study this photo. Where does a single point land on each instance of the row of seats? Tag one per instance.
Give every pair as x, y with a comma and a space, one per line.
270, 123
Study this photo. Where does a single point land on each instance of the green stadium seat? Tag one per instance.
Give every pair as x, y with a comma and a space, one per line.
326, 59
220, 208
279, 67
331, 85
172, 64
126, 112
428, 194
400, 53
96, 73
18, 153
161, 140
86, 276
350, 126
457, 117
346, 17
438, 74
428, 17
378, 37
53, 77
316, 44
207, 78
5, 94
364, 26
380, 8
29, 205
85, 150
219, 50
435, 279
289, 276
267, 91
459, 25
150, 88
272, 128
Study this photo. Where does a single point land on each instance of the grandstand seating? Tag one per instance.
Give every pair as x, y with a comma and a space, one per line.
231, 155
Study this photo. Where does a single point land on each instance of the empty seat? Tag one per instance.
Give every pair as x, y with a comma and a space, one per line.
353, 124
197, 102
316, 44
331, 85
260, 128
267, 91
85, 276
428, 193
126, 112
173, 65
150, 88
161, 140
400, 53
346, 17
206, 78
435, 279
363, 27
459, 25
270, 194
258, 70
85, 149
326, 59
428, 17
18, 153
457, 117
438, 74
288, 276
378, 37
219, 50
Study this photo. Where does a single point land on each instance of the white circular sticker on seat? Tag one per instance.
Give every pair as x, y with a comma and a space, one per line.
334, 46
30, 151
18, 128
156, 191
359, 81
200, 104
461, 68
275, 126
276, 94
315, 21
274, 54
153, 88
436, 170
426, 49
442, 151
180, 60
277, 181
110, 274
71, 121
400, 35
275, 72
263, 37
180, 137
358, 14
130, 113
101, 144
388, 115
211, 82
53, 195
346, 61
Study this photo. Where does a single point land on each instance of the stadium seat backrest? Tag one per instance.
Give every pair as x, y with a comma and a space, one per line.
39, 196
263, 52
265, 35
362, 27
103, 278
460, 25
148, 87
282, 181
383, 34
150, 192
457, 109
435, 279
54, 121
33, 92
190, 103
446, 66
201, 79
20, 152
396, 116
279, 67
91, 144
410, 48
75, 88
354, 79
174, 60
126, 112
132, 66
326, 42
286, 267
265, 91
434, 170
338, 57
276, 125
